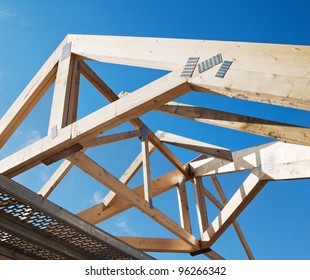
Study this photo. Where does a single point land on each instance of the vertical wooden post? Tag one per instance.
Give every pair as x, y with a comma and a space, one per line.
146, 166
201, 205
183, 205
64, 105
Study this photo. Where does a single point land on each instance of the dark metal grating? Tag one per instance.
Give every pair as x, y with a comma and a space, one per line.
38, 229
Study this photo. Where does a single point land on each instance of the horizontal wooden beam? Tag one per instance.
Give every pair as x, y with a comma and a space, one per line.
194, 145
102, 140
158, 244
277, 161
281, 131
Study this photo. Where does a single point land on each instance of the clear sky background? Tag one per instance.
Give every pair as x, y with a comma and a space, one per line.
276, 224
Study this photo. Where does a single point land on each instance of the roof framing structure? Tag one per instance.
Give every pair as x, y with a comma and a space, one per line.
267, 73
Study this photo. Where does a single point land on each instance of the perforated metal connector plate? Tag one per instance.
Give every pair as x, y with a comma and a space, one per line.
66, 51
209, 63
190, 67
223, 69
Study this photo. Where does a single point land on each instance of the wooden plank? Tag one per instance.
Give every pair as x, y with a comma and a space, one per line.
201, 206
99, 212
147, 183
169, 54
183, 205
98, 141
270, 73
30, 96
104, 177
139, 102
281, 131
106, 91
54, 180
246, 159
127, 176
158, 244
62, 92
194, 145
244, 195
288, 91
235, 223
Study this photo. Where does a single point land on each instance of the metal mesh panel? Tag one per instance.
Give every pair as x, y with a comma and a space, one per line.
54, 229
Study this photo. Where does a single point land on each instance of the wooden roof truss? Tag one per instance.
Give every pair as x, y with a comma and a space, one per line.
275, 74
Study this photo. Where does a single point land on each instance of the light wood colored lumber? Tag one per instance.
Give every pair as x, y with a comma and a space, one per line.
269, 73
98, 141
244, 195
147, 182
106, 91
54, 180
281, 131
104, 177
158, 244
62, 92
139, 102
100, 212
183, 205
30, 96
169, 54
235, 223
194, 145
246, 159
201, 206
278, 161
288, 91
126, 177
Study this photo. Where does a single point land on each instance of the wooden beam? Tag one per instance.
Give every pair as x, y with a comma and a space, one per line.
246, 159
139, 102
168, 54
183, 205
194, 145
147, 183
244, 195
105, 178
61, 94
201, 206
235, 224
158, 244
98, 141
106, 91
277, 89
54, 180
281, 131
30, 96
127, 176
267, 73
103, 211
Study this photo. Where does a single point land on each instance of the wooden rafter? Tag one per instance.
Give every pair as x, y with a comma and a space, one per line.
281, 131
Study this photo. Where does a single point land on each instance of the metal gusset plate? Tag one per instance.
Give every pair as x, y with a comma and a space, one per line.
209, 63
190, 67
223, 69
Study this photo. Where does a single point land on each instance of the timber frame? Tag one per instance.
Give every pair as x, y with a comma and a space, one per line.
267, 73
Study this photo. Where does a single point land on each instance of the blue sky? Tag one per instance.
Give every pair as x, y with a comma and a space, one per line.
276, 224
